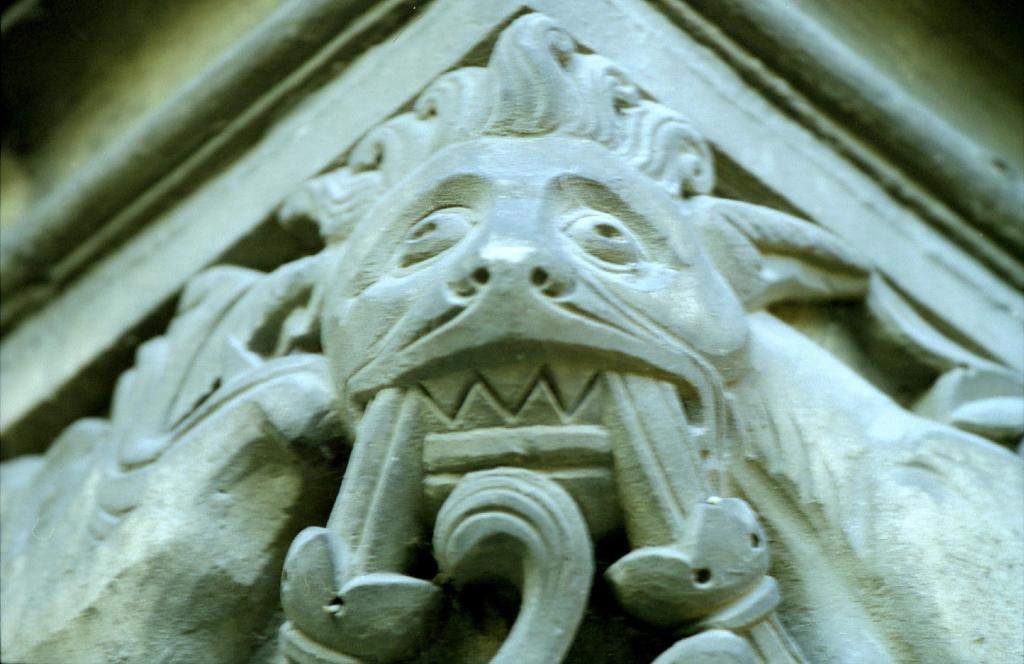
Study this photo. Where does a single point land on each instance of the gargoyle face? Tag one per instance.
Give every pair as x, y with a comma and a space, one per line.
526, 263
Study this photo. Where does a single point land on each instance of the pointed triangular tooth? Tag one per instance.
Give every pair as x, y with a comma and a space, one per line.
481, 410
589, 411
433, 418
510, 382
570, 381
541, 407
449, 390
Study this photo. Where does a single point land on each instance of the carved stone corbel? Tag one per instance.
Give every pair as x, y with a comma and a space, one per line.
538, 327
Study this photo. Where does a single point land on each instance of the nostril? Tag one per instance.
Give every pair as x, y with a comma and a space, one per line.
539, 276
481, 275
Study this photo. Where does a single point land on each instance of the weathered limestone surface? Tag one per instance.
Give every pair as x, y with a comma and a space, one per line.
584, 407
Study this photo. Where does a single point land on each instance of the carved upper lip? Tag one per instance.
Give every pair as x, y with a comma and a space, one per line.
514, 341
525, 382
544, 335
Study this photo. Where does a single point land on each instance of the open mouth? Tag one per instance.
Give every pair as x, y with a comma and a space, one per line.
529, 391
542, 416
552, 418
567, 419
515, 394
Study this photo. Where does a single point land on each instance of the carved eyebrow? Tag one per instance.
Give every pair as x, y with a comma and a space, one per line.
597, 195
655, 237
460, 189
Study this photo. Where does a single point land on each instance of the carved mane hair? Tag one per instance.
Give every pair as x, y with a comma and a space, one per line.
536, 83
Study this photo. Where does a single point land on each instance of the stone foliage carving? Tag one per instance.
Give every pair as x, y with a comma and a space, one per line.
538, 328
163, 520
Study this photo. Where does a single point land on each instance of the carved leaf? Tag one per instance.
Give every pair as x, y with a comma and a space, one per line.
231, 323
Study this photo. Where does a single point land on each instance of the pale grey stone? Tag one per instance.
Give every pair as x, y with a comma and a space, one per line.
539, 326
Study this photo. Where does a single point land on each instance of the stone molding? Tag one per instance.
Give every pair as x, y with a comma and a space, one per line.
84, 218
985, 192
77, 224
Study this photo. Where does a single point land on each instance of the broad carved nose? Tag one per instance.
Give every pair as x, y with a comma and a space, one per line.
511, 270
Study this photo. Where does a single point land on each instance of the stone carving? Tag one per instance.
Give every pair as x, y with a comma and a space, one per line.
159, 523
538, 327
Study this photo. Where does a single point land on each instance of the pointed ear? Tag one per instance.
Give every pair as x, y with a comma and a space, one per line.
770, 256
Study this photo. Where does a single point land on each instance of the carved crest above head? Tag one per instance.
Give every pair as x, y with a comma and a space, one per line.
537, 83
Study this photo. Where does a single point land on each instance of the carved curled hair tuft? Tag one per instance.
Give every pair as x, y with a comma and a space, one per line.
536, 83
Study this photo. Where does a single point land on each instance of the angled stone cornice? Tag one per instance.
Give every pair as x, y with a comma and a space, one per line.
763, 153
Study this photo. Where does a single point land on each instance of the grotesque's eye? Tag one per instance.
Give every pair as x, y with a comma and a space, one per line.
434, 234
604, 237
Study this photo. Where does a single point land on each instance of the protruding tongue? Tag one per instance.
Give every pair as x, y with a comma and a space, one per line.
377, 507
658, 461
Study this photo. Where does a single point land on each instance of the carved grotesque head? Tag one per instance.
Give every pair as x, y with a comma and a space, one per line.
528, 224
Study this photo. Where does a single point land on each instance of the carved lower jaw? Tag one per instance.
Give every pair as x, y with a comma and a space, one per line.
542, 455
547, 417
520, 499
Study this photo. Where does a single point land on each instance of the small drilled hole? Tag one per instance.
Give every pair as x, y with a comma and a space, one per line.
481, 275
539, 276
702, 576
607, 230
755, 540
334, 607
